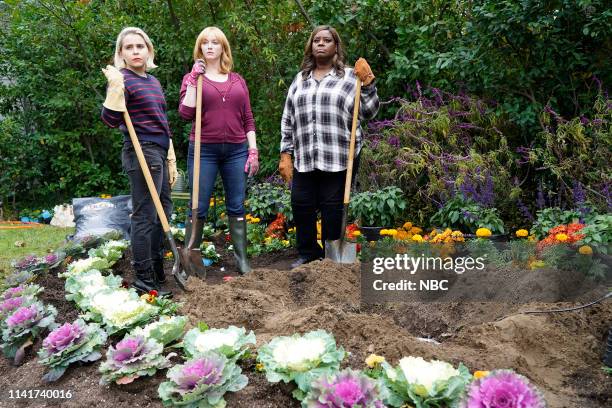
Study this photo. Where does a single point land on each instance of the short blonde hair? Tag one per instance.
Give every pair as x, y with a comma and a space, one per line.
119, 62
227, 62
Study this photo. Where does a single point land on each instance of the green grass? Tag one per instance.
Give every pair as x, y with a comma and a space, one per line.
37, 241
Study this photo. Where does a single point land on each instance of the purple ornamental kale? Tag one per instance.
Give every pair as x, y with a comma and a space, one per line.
25, 316
344, 389
206, 370
64, 337
503, 389
10, 305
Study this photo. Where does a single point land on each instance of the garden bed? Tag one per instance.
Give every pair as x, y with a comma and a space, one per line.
558, 352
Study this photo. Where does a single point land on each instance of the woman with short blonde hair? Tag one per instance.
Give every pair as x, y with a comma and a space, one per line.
119, 61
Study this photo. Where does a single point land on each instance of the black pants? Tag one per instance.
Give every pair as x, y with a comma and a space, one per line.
147, 236
315, 191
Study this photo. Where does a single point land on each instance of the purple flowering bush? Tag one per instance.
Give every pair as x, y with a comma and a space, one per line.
440, 145
346, 388
132, 357
24, 325
503, 388
70, 343
202, 381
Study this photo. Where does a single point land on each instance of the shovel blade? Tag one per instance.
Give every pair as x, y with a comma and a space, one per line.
178, 269
194, 262
341, 251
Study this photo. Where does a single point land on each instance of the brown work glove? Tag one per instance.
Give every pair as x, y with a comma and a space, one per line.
285, 167
364, 72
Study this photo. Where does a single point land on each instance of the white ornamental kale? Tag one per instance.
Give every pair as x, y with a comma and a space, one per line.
70, 343
166, 330
131, 358
23, 326
300, 359
424, 383
120, 309
112, 251
81, 288
87, 264
202, 382
232, 341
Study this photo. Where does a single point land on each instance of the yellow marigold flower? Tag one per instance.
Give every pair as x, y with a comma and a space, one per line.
416, 230
536, 264
373, 360
480, 374
259, 367
291, 230
483, 233
417, 238
285, 242
522, 233
585, 250
456, 234
248, 216
356, 233
561, 237
147, 298
383, 231
407, 225
392, 232
255, 220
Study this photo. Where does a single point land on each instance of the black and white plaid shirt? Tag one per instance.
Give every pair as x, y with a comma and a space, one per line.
317, 120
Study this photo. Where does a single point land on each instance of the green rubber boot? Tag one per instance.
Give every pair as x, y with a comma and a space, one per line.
238, 233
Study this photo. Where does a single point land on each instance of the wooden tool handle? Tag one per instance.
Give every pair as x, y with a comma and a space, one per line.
145, 171
349, 167
195, 189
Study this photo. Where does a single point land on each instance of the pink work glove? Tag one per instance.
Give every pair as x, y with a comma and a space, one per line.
252, 163
199, 68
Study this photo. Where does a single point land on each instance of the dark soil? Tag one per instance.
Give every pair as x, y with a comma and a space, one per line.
559, 352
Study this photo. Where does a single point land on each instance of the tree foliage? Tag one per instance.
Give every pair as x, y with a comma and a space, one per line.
525, 55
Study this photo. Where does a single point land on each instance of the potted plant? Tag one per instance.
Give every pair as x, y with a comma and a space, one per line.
377, 210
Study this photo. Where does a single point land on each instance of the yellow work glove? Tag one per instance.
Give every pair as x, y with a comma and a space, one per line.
364, 72
285, 167
115, 98
172, 171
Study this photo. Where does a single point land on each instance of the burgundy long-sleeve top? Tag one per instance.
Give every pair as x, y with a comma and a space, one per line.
226, 110
146, 104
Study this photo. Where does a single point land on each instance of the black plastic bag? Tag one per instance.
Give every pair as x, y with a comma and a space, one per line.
98, 216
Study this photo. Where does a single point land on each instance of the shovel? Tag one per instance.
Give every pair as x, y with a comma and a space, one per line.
179, 273
193, 256
339, 250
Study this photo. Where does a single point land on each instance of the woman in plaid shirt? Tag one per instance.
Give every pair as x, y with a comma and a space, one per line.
316, 131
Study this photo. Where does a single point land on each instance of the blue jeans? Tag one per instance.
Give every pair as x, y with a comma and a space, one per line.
228, 159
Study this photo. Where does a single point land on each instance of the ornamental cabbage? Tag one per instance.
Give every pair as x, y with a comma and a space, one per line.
503, 388
81, 288
8, 306
300, 359
232, 341
112, 251
84, 265
133, 357
68, 344
24, 325
342, 389
121, 309
21, 290
167, 330
202, 382
424, 383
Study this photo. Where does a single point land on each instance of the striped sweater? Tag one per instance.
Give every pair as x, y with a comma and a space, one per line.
146, 105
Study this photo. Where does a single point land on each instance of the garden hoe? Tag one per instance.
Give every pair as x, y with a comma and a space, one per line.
339, 250
191, 253
178, 270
